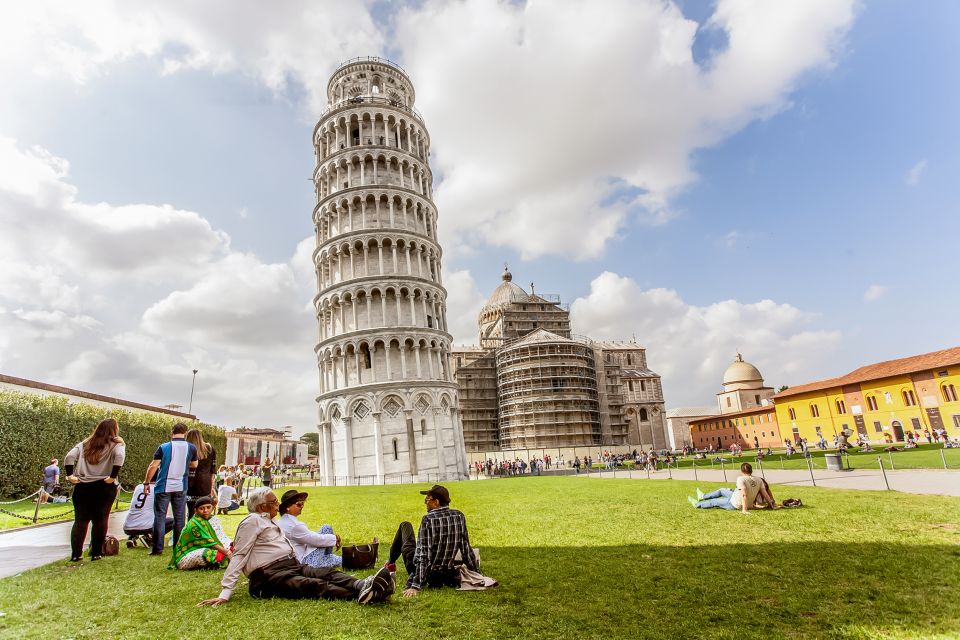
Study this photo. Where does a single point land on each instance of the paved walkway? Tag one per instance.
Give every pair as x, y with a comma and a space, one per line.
31, 547
925, 481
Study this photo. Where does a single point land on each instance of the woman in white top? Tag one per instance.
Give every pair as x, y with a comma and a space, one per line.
313, 548
92, 468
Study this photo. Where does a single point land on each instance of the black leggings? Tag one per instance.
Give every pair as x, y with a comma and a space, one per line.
91, 503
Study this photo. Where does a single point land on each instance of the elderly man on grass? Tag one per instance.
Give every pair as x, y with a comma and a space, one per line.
263, 553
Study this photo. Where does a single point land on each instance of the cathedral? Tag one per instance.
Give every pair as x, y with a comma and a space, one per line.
531, 383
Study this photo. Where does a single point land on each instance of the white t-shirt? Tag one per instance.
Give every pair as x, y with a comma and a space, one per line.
746, 486
140, 515
225, 494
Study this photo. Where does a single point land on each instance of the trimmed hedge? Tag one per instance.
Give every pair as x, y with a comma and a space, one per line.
34, 429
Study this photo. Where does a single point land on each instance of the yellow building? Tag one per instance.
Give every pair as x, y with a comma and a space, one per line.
882, 401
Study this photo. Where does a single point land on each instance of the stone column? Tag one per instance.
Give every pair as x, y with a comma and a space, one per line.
411, 442
348, 441
378, 445
438, 434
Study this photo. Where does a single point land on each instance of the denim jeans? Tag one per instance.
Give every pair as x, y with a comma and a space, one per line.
160, 502
719, 498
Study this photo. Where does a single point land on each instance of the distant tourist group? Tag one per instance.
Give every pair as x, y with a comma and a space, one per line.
281, 557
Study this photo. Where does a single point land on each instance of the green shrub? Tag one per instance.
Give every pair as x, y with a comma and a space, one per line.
34, 429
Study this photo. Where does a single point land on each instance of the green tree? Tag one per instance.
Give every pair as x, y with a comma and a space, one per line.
312, 440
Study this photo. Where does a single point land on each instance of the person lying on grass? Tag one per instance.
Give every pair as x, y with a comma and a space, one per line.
263, 553
200, 545
743, 497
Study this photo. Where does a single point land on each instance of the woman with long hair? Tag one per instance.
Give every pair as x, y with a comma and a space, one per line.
201, 484
92, 467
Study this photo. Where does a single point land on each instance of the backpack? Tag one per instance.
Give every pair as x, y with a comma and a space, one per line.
792, 502
111, 546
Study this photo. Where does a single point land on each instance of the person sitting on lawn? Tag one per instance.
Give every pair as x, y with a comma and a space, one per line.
263, 553
313, 548
138, 525
743, 497
201, 545
431, 556
227, 500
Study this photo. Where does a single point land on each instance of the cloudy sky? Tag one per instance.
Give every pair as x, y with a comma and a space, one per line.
769, 177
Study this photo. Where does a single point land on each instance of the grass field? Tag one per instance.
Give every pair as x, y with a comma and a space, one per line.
577, 558
923, 457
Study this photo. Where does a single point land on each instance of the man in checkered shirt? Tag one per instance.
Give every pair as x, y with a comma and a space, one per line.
441, 543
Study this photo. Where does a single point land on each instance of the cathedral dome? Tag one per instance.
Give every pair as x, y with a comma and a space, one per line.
742, 375
506, 293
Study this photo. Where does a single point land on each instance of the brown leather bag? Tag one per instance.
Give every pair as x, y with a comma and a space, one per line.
111, 546
360, 556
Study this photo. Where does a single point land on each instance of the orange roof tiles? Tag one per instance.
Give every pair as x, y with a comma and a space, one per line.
879, 370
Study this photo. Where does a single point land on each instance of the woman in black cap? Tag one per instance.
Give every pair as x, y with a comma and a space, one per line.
313, 548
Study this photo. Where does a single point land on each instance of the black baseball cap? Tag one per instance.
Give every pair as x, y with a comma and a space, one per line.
438, 492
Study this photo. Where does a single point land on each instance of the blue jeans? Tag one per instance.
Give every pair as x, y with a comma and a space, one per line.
719, 498
160, 502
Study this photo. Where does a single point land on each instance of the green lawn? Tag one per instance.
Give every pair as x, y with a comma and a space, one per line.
923, 457
577, 558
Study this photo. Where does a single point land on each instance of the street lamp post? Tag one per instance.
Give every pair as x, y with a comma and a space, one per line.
192, 385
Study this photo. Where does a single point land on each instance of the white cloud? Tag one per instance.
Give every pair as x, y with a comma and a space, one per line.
556, 123
691, 346
915, 173
464, 301
276, 43
874, 292
126, 300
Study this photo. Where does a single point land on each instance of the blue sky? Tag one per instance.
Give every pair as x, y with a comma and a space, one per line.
793, 202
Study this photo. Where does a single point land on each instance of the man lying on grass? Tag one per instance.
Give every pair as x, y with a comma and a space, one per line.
263, 553
743, 497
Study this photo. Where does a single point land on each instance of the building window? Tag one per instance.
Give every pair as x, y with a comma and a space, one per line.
909, 399
643, 385
814, 411
629, 358
459, 362
757, 399
728, 401
871, 403
956, 421
423, 427
643, 415
793, 414
949, 393
877, 427
751, 420
887, 397
630, 384
841, 407
763, 433
396, 452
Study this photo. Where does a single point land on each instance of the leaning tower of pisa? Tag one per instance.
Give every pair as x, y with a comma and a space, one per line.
388, 408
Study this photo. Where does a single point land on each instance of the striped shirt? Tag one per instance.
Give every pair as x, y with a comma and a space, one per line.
442, 537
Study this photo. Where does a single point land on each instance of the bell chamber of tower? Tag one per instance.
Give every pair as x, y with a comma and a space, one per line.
388, 408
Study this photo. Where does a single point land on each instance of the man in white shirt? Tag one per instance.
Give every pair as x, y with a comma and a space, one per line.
263, 553
227, 498
742, 497
139, 521
313, 548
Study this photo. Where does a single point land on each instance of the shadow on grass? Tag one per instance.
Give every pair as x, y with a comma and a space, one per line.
822, 590
743, 590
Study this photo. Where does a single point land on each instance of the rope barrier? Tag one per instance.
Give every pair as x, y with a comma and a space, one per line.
35, 493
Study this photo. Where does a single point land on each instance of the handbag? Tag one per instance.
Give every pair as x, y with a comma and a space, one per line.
111, 546
360, 556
